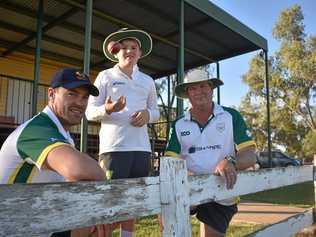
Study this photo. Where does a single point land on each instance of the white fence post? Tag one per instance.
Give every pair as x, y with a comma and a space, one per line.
314, 179
314, 171
174, 193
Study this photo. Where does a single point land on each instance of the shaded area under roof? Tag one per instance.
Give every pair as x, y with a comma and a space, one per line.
210, 33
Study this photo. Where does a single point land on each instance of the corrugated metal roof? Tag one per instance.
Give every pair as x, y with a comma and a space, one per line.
210, 33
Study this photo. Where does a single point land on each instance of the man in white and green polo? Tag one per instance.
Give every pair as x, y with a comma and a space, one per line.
212, 139
41, 149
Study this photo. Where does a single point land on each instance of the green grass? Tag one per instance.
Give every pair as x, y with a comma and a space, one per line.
242, 229
149, 227
295, 195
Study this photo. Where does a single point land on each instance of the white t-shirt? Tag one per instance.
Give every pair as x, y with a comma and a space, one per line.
116, 133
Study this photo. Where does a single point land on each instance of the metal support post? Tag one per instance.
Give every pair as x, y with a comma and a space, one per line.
180, 56
268, 105
86, 69
40, 14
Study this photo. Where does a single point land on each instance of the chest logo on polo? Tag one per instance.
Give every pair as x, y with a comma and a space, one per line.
220, 127
214, 147
118, 83
185, 133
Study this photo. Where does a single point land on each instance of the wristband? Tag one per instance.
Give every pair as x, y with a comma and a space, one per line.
231, 159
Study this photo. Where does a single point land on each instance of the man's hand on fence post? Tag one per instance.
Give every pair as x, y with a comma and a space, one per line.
227, 170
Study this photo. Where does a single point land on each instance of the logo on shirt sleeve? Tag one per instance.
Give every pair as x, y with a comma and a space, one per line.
53, 139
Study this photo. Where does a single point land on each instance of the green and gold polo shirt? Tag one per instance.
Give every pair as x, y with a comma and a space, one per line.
23, 153
203, 147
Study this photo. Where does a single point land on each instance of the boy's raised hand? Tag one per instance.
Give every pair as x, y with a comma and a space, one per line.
114, 106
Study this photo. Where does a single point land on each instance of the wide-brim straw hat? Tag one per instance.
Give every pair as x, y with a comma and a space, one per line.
143, 38
193, 77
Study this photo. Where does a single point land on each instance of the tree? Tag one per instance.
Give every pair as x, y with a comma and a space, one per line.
292, 88
160, 129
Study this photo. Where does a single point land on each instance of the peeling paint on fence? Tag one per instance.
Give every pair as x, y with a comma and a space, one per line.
62, 206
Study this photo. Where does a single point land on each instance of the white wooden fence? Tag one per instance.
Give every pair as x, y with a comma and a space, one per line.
34, 209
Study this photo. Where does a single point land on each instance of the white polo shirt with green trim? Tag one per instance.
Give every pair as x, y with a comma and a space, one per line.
25, 150
204, 147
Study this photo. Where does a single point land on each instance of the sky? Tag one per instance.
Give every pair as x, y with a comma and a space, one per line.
261, 17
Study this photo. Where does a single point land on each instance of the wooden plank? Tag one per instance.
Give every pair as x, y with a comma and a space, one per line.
33, 209
39, 209
174, 192
288, 227
209, 187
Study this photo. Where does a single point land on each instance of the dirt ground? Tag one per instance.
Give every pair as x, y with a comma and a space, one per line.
264, 213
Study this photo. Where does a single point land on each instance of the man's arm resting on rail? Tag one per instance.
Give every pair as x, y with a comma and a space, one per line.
73, 165
246, 157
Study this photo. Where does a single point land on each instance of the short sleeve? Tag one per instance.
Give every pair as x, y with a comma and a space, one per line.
173, 146
242, 136
38, 138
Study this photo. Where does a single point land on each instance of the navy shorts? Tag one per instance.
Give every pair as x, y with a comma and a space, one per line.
62, 234
215, 215
127, 164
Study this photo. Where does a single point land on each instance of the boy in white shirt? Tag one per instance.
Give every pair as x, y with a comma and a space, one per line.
126, 104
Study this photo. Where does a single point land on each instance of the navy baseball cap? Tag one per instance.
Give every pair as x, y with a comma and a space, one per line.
70, 78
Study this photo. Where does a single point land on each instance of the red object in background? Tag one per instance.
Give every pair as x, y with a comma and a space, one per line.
114, 47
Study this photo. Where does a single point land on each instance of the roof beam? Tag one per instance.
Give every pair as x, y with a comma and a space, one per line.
47, 38
74, 28
210, 9
30, 13
63, 43
47, 27
54, 56
95, 34
46, 54
122, 23
170, 18
202, 34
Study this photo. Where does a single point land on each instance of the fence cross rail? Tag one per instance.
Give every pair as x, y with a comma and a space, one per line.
36, 209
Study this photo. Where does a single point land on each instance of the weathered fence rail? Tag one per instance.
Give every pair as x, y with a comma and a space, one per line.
36, 209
